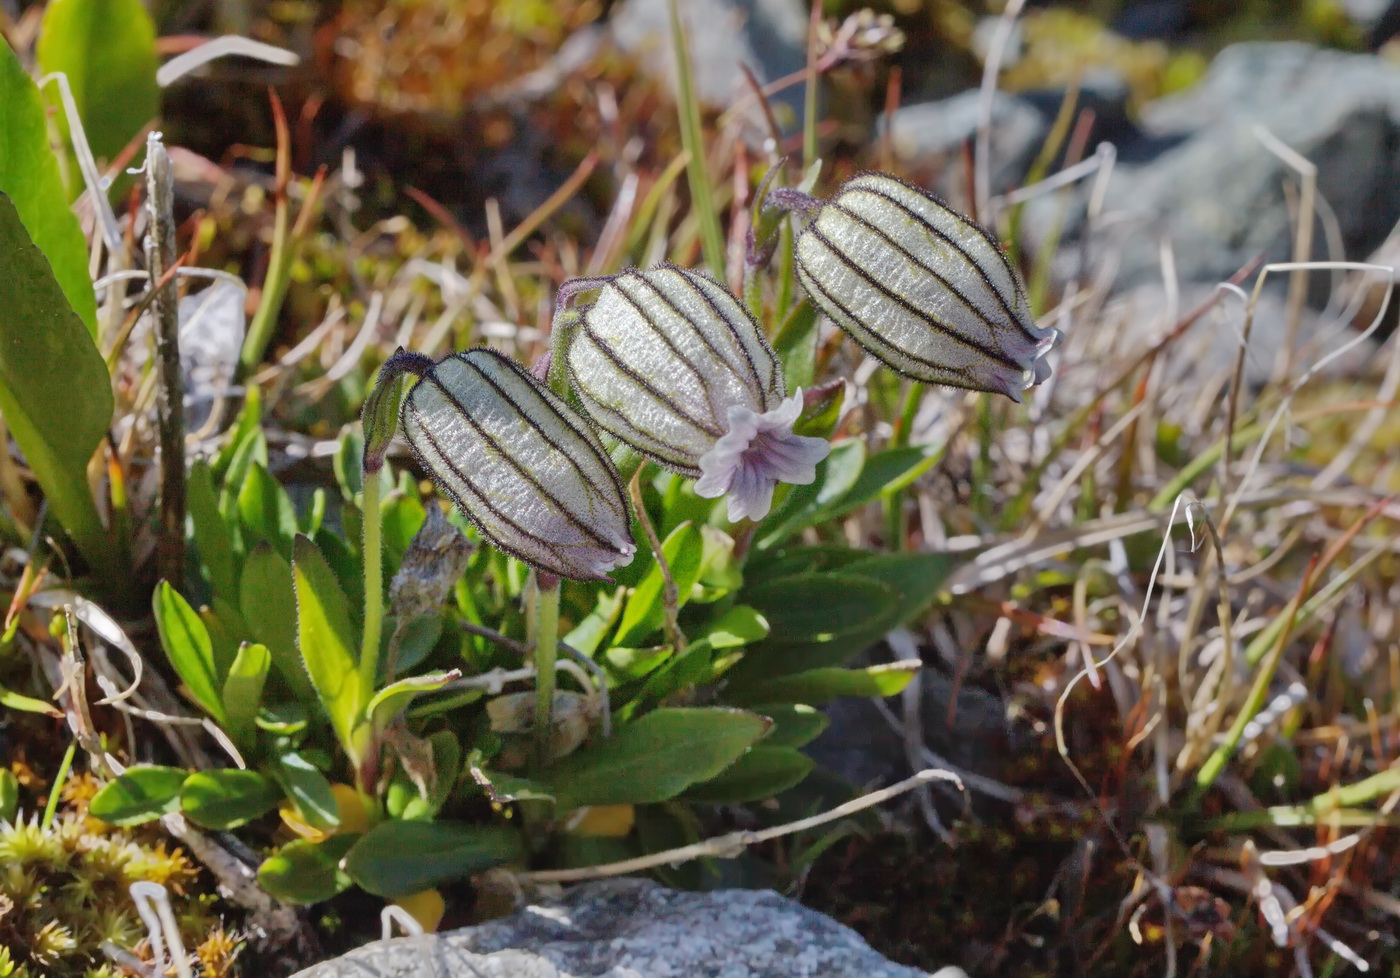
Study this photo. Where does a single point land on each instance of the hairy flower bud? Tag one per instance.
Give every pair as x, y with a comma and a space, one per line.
521, 464
380, 415
922, 288
670, 363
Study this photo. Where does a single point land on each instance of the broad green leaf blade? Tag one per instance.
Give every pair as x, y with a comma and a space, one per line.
396, 858
739, 626
309, 791
189, 649
387, 703
307, 872
29, 174
915, 577
884, 473
762, 773
266, 511
795, 724
645, 610
107, 48
655, 757
55, 394
243, 690
816, 620
327, 641
227, 798
212, 536
269, 606
142, 794
822, 685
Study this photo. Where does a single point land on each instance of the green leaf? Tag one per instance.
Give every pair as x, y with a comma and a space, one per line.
883, 473
29, 174
227, 798
669, 826
243, 690
309, 791
763, 772
739, 626
55, 394
386, 704
645, 610
243, 445
107, 48
9, 795
815, 620
655, 757
588, 634
822, 685
27, 704
327, 642
142, 794
796, 344
225, 627
795, 724
212, 535
397, 857
189, 649
836, 474
307, 872
915, 577
269, 606
266, 511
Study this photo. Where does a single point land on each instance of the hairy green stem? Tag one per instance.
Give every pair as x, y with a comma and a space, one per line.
374, 581
546, 651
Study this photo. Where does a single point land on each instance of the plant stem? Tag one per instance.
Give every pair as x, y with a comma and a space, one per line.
546, 650
373, 557
51, 809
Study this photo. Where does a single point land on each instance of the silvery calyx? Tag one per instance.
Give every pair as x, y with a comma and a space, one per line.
519, 462
671, 364
922, 288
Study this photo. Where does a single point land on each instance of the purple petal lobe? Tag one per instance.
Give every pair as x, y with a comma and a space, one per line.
755, 454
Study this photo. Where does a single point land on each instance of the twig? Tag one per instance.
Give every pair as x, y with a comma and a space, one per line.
729, 846
170, 401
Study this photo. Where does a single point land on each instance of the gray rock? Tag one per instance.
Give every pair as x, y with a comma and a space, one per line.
1217, 193
770, 36
631, 928
928, 140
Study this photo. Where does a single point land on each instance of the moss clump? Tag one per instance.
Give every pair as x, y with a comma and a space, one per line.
64, 892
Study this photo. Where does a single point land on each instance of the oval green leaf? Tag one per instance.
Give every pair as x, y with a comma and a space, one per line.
656, 757
307, 872
327, 640
761, 773
396, 858
107, 48
29, 174
187, 645
228, 798
142, 794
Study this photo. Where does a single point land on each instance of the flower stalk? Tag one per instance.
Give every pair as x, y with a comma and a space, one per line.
546, 652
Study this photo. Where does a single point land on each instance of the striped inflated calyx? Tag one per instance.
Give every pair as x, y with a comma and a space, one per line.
671, 364
521, 464
922, 288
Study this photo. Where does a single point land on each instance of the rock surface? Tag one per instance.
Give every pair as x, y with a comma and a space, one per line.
767, 35
629, 928
1217, 193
